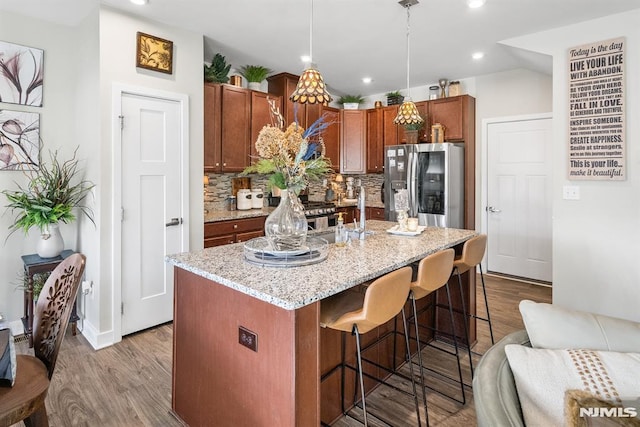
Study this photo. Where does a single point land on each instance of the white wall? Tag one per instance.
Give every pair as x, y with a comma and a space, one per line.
81, 64
57, 132
117, 39
596, 240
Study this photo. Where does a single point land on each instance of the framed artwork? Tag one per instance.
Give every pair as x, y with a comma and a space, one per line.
19, 140
154, 53
21, 74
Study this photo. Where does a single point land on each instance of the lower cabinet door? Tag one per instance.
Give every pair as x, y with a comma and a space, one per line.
219, 240
243, 237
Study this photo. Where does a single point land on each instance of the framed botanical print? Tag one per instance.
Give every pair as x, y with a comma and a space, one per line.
154, 53
21, 74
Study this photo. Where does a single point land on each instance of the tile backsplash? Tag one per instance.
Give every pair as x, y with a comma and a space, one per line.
219, 189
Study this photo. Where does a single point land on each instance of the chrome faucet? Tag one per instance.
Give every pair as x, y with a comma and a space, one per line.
363, 215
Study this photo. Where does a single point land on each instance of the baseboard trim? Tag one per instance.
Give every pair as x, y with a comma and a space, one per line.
519, 279
96, 339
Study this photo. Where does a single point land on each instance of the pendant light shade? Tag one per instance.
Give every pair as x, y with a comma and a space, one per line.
311, 88
408, 112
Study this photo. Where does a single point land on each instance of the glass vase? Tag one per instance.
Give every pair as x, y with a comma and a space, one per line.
286, 227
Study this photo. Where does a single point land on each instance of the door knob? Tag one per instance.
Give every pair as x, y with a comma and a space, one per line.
174, 221
492, 209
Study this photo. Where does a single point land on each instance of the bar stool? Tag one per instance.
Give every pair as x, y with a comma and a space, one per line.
472, 254
360, 313
433, 273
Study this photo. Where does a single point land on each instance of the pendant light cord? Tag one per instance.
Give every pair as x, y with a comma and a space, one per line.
311, 34
408, 51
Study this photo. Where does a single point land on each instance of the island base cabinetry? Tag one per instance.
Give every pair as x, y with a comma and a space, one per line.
218, 381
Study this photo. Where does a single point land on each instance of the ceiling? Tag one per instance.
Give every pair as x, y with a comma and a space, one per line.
356, 38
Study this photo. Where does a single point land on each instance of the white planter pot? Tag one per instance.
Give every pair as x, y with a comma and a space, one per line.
351, 105
254, 85
50, 244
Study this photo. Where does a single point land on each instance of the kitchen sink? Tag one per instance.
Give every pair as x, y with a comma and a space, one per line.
329, 236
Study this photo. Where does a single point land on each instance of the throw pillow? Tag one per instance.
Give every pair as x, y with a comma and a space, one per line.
550, 326
542, 376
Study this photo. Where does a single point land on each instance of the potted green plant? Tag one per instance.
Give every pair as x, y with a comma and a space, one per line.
412, 131
350, 102
394, 98
254, 74
50, 197
218, 71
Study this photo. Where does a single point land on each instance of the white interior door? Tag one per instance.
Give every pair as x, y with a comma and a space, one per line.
519, 198
151, 208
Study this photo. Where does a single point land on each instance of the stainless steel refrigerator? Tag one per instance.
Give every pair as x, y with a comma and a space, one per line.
433, 174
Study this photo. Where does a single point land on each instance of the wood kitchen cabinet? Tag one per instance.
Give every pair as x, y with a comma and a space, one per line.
353, 141
389, 129
348, 213
425, 132
260, 115
331, 136
226, 128
233, 231
456, 114
375, 213
375, 144
283, 85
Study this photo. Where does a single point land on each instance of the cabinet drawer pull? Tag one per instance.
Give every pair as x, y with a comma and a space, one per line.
235, 226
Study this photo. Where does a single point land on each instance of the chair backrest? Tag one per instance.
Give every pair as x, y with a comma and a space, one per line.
473, 251
434, 270
386, 296
53, 309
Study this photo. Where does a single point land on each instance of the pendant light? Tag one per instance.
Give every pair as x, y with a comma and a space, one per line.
408, 112
311, 88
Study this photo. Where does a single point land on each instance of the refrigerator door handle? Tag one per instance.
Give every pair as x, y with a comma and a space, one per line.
412, 184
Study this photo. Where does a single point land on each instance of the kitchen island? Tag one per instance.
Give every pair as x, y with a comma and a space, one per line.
247, 341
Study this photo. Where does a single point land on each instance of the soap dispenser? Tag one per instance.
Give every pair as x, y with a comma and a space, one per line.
341, 231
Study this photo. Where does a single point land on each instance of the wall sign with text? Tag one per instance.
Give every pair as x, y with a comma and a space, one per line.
596, 111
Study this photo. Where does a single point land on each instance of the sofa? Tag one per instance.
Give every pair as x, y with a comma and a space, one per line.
538, 376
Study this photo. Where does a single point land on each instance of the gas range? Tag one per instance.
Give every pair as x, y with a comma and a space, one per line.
317, 208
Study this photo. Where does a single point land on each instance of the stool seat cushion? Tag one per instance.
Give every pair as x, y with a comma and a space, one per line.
337, 306
28, 392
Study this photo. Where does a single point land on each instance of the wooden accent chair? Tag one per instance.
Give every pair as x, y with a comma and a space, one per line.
25, 400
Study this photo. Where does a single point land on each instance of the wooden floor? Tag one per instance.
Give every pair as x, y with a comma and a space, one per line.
129, 384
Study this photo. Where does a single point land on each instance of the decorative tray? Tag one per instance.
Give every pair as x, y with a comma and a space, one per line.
259, 251
396, 230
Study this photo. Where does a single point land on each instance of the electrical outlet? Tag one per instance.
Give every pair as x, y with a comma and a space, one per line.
248, 339
571, 192
87, 287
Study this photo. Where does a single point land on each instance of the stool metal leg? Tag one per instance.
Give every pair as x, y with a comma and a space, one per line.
413, 381
486, 304
455, 344
464, 322
359, 362
419, 350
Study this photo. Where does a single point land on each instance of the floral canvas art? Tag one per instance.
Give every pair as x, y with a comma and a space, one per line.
154, 53
19, 140
21, 74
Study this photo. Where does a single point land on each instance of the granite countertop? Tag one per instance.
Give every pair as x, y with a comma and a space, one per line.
215, 216
345, 267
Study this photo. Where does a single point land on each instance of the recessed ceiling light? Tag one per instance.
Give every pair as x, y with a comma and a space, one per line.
139, 2
367, 80
477, 55
305, 58
474, 4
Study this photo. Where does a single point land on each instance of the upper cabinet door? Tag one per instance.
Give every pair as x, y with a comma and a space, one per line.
354, 139
236, 113
260, 116
375, 150
389, 129
331, 136
449, 113
212, 116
